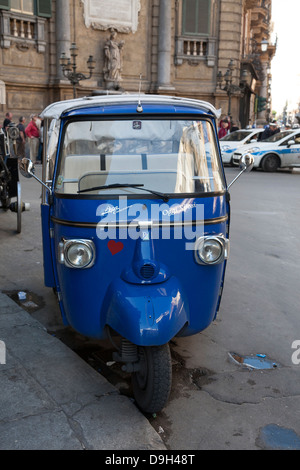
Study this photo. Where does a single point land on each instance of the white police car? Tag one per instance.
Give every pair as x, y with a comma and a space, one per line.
234, 140
281, 150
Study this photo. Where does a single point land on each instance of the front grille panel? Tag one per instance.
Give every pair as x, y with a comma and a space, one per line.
147, 271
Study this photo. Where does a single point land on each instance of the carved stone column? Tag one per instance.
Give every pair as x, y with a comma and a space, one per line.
164, 46
264, 88
63, 33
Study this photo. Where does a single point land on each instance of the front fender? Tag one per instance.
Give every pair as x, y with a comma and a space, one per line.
146, 315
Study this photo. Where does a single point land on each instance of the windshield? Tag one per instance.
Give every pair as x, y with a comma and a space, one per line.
278, 136
166, 156
236, 136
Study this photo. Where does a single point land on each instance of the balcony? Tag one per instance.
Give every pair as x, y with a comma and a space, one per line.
195, 50
22, 30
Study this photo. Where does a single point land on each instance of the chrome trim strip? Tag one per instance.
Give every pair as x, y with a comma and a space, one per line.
141, 224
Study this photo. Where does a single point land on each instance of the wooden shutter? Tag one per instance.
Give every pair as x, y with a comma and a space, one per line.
43, 8
196, 16
203, 16
4, 4
190, 16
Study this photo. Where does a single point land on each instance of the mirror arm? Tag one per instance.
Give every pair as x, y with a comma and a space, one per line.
27, 169
42, 183
240, 173
246, 164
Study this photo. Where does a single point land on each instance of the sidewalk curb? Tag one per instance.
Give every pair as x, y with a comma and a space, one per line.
52, 400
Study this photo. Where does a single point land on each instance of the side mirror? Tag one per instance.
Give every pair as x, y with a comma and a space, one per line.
246, 164
26, 168
291, 142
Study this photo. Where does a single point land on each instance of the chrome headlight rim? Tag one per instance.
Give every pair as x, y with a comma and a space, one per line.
87, 245
202, 241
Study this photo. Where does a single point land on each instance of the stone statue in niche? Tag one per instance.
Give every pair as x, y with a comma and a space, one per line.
113, 61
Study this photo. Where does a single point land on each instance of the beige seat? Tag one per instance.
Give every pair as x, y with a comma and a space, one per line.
154, 171
75, 167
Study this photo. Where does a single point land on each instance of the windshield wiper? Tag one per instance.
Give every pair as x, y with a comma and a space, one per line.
163, 196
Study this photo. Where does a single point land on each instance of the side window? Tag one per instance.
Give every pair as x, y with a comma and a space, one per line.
286, 141
297, 138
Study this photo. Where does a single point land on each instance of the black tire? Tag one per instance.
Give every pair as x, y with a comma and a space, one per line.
152, 385
270, 163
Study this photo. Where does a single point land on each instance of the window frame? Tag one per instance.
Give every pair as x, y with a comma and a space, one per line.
195, 49
22, 11
41, 8
142, 194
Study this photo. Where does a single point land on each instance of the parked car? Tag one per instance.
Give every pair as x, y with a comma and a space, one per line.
282, 150
231, 142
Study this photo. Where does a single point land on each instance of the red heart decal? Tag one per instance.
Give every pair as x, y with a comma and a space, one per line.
115, 247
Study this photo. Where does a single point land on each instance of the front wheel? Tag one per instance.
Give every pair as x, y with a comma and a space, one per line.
270, 163
152, 383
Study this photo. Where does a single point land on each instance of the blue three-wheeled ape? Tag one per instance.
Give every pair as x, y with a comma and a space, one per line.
135, 218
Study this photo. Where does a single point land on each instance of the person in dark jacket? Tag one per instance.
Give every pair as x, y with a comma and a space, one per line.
269, 131
7, 121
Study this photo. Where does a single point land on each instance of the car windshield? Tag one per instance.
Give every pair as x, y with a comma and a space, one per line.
129, 157
236, 136
278, 136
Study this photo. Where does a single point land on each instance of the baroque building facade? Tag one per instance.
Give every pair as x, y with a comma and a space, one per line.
174, 47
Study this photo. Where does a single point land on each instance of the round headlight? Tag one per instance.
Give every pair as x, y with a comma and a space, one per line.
79, 254
209, 250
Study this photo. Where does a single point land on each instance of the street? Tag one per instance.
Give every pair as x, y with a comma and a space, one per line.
216, 402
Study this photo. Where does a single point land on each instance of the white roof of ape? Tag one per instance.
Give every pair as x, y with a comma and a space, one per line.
55, 110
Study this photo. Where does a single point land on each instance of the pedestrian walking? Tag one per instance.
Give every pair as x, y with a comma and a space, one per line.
21, 140
33, 134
